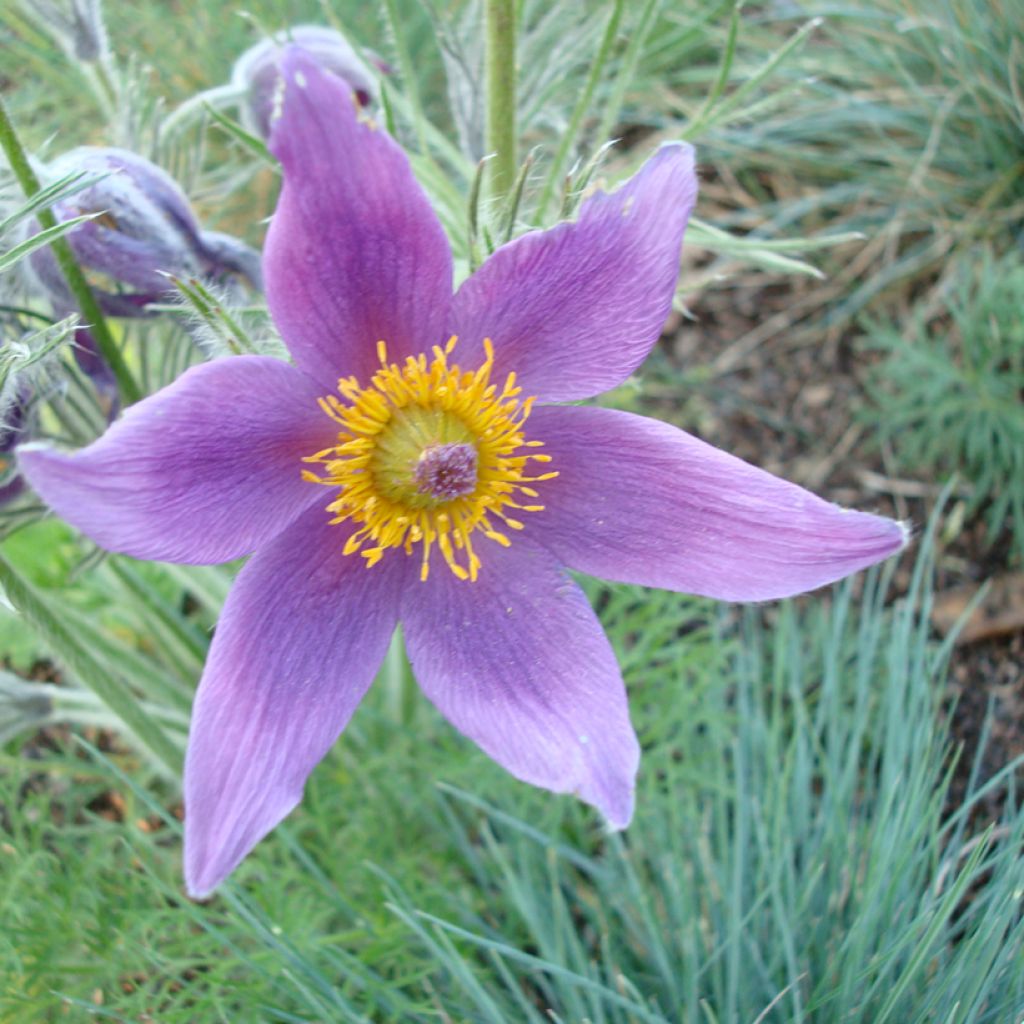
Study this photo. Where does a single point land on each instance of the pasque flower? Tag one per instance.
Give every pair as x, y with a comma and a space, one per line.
414, 465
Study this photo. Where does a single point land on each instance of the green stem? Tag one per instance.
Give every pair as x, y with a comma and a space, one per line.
398, 682
501, 95
87, 304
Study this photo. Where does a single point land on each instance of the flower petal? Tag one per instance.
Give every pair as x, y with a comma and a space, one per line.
519, 663
302, 634
641, 502
355, 253
203, 471
574, 310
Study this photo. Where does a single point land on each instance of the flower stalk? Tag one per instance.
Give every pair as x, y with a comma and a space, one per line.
79, 287
500, 58
398, 682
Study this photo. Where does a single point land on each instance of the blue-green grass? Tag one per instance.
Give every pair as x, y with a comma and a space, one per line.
792, 856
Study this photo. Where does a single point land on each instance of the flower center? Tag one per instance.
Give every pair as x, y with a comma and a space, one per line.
429, 454
446, 471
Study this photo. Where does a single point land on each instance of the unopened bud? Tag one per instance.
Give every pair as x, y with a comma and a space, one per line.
76, 24
143, 229
24, 706
142, 232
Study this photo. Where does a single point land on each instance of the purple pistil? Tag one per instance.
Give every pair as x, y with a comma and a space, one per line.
447, 471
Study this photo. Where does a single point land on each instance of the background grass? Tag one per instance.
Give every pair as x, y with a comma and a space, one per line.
797, 855
790, 851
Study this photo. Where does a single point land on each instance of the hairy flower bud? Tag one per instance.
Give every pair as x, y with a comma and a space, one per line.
257, 78
24, 705
76, 24
143, 229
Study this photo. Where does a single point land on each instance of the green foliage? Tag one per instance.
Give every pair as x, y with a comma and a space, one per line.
951, 73
40, 554
789, 862
791, 859
949, 395
906, 115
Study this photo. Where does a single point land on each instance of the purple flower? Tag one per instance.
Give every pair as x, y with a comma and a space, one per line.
257, 73
436, 483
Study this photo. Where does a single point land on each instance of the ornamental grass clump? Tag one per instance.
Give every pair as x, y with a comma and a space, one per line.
418, 464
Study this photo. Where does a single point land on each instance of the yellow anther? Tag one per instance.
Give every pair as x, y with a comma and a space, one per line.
408, 413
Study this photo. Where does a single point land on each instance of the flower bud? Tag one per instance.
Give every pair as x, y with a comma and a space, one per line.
256, 75
144, 229
25, 706
76, 24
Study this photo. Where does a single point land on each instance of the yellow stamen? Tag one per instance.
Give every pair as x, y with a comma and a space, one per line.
429, 454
